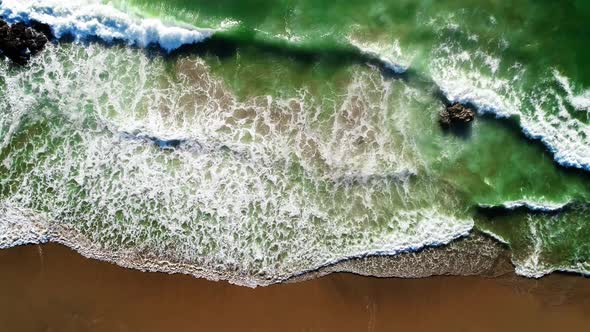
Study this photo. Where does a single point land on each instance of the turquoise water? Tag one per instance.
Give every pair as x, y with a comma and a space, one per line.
255, 141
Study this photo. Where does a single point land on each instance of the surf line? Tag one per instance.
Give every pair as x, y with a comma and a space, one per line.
73, 21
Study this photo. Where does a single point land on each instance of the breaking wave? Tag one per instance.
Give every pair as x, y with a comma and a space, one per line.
545, 113
89, 19
542, 241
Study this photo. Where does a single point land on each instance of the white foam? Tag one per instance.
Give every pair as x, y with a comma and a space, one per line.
580, 102
532, 265
531, 205
542, 112
390, 55
543, 235
260, 201
93, 19
497, 237
20, 226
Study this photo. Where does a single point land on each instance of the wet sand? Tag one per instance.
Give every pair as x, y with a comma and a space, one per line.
52, 288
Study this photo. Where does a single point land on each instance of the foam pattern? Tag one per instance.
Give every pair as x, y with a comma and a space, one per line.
84, 20
548, 111
545, 242
173, 166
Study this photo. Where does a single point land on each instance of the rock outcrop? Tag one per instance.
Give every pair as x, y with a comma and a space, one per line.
19, 42
456, 114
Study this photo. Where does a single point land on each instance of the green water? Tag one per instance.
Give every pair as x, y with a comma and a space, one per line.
529, 27
543, 242
525, 33
298, 144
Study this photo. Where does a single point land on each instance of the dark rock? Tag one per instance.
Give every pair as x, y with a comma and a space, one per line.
4, 29
456, 114
43, 28
18, 29
19, 42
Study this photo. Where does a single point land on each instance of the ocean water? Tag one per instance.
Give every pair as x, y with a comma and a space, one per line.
254, 141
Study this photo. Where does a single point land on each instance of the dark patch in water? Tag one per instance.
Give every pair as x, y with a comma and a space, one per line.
164, 144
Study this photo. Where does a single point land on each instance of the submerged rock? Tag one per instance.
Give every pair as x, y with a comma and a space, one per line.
456, 114
19, 42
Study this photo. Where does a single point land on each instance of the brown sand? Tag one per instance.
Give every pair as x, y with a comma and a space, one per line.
52, 288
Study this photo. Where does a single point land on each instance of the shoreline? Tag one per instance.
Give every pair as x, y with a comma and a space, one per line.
477, 253
426, 261
472, 254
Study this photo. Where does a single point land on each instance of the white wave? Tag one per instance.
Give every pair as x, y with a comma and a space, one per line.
92, 19
542, 112
495, 236
391, 56
580, 102
547, 207
533, 266
534, 206
20, 226
544, 235
530, 270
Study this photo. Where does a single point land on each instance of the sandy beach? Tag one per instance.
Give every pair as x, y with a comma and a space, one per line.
52, 288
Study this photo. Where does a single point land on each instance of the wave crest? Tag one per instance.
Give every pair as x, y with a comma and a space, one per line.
89, 19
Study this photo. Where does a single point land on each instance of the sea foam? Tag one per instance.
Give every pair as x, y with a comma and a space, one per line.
470, 75
580, 102
390, 55
91, 19
21, 226
531, 205
257, 199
